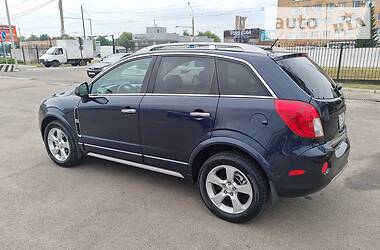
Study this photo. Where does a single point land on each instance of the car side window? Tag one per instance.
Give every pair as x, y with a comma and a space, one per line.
237, 79
127, 78
185, 75
59, 51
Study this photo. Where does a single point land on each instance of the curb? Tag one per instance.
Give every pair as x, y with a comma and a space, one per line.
7, 67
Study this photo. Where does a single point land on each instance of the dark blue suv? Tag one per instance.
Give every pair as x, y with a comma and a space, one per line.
247, 124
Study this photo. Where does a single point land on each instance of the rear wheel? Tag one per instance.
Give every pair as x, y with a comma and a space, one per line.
60, 145
82, 63
233, 187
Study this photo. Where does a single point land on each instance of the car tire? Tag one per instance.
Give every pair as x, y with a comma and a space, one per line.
61, 145
55, 64
239, 195
82, 63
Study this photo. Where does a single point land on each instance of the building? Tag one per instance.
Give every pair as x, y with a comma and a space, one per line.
334, 3
159, 35
251, 36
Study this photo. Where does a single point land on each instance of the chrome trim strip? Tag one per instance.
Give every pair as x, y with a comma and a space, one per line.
192, 95
117, 94
248, 96
76, 121
186, 53
332, 143
112, 149
137, 165
165, 159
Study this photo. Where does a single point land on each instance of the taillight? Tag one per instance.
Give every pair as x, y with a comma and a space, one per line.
301, 118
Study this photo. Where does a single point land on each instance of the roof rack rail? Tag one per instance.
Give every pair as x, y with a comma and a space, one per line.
203, 46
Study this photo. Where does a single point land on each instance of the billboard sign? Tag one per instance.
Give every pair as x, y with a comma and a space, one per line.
331, 23
5, 29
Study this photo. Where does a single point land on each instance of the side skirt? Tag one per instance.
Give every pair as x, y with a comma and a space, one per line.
137, 165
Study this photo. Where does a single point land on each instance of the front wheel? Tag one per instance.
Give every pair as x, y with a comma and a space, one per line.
233, 187
60, 145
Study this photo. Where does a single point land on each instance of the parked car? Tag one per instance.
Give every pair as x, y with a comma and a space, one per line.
252, 126
96, 68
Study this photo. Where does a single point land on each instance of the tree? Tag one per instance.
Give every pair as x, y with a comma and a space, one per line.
209, 34
33, 38
374, 40
185, 33
44, 37
125, 40
104, 41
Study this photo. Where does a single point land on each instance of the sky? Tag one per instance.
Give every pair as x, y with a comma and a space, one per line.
116, 16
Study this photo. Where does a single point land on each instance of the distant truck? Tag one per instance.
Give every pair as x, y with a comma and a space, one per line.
68, 52
108, 50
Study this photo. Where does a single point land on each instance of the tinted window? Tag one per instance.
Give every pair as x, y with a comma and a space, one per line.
126, 78
237, 79
310, 77
185, 75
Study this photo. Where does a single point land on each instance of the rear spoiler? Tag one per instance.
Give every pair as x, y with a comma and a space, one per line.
281, 56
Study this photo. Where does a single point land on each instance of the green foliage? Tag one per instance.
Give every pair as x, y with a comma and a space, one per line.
33, 38
104, 41
209, 34
186, 33
125, 40
44, 37
374, 40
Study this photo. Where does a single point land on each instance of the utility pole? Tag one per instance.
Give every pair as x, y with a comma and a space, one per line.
192, 21
10, 31
113, 44
84, 29
61, 17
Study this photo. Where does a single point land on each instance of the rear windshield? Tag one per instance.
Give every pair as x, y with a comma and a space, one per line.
310, 77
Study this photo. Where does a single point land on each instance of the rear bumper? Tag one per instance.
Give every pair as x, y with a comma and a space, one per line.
335, 153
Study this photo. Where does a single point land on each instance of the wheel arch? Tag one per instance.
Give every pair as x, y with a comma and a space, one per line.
218, 144
54, 114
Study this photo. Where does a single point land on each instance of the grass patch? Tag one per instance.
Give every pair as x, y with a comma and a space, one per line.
355, 73
361, 85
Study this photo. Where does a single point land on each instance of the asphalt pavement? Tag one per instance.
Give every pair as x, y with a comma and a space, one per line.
103, 205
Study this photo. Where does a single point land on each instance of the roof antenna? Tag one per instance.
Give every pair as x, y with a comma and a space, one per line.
274, 43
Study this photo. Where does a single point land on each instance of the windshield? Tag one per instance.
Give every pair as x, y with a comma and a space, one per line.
113, 58
310, 77
50, 51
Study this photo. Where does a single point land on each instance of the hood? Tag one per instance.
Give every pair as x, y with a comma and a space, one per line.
45, 56
99, 65
65, 93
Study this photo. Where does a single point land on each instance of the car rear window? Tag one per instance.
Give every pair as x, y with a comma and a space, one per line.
310, 77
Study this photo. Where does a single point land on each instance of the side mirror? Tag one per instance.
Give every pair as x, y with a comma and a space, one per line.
82, 90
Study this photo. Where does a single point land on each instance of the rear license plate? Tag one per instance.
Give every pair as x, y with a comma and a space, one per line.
342, 119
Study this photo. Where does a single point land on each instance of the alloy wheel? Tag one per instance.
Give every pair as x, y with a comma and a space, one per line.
59, 145
229, 189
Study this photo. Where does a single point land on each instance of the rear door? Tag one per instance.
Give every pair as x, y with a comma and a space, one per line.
179, 111
325, 94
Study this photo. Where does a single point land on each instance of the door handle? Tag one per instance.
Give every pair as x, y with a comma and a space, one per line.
128, 111
200, 115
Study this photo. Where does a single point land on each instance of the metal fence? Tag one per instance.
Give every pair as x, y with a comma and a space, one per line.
342, 62
29, 54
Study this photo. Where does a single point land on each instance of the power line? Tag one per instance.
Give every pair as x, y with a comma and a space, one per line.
33, 9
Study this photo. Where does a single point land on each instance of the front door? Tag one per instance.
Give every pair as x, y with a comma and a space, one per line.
109, 121
179, 112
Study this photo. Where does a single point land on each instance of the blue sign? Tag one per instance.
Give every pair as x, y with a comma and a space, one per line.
3, 35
